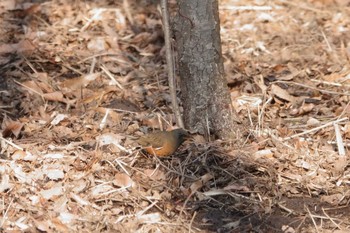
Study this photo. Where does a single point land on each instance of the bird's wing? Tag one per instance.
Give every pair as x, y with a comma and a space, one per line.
155, 140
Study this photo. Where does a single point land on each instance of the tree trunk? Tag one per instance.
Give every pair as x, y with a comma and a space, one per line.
205, 95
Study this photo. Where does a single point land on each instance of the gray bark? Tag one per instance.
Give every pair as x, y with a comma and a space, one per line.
205, 94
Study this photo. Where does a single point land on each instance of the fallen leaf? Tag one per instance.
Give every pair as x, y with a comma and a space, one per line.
155, 174
77, 83
33, 87
23, 46
267, 153
66, 217
57, 190
23, 155
11, 127
5, 183
97, 44
200, 183
110, 138
122, 180
6, 5
54, 96
282, 94
54, 174
332, 199
54, 156
58, 118
101, 189
149, 218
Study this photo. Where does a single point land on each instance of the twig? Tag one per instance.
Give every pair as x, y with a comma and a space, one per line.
285, 208
344, 110
73, 69
304, 7
249, 8
313, 220
184, 205
191, 222
30, 89
207, 124
339, 139
140, 213
331, 219
262, 113
335, 143
327, 42
12, 144
315, 129
30, 65
314, 88
110, 75
327, 83
126, 7
93, 64
4, 215
121, 166
114, 55
104, 119
216, 192
170, 63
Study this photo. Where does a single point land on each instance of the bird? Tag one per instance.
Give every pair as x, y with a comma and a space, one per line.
163, 143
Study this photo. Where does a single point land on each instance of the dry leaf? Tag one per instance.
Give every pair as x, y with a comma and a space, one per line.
149, 218
282, 94
200, 183
97, 44
306, 108
59, 226
54, 96
66, 217
79, 200
151, 121
20, 224
332, 199
6, 5
43, 225
58, 118
109, 138
11, 127
24, 46
267, 153
122, 180
78, 83
48, 194
33, 86
155, 174
115, 117
53, 156
101, 189
5, 183
340, 164
54, 174
23, 155
237, 188
312, 122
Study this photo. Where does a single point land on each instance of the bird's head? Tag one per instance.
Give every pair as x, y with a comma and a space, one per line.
181, 134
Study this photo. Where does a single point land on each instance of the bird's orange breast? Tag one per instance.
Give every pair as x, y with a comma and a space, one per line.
162, 143
166, 150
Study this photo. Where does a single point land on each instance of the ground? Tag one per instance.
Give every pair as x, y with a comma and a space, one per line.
81, 80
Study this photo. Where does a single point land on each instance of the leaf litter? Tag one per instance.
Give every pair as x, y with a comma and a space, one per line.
80, 81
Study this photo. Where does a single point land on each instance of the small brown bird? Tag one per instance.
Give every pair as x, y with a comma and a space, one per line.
163, 143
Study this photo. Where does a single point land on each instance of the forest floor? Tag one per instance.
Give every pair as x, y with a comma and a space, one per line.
80, 80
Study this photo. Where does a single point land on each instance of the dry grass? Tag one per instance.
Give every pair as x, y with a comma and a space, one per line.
78, 83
